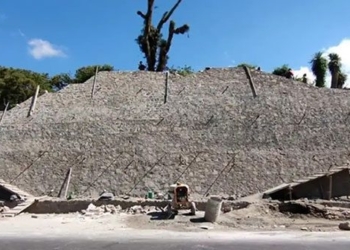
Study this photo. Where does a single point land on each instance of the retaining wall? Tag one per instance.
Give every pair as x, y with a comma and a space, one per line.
211, 134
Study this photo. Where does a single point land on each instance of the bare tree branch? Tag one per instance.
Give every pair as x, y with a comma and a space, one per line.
147, 28
141, 14
167, 15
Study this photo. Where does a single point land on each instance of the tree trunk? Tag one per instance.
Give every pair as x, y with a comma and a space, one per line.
334, 82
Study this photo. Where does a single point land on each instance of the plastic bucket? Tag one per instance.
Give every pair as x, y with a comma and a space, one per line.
213, 209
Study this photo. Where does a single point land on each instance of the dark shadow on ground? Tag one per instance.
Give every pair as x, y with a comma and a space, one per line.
161, 216
198, 220
187, 214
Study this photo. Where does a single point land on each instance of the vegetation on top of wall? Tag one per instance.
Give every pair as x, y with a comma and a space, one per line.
183, 71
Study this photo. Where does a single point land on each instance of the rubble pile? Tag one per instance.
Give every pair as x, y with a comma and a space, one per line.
337, 213
92, 210
140, 209
104, 209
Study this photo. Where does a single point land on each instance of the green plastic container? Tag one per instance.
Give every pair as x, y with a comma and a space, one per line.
150, 195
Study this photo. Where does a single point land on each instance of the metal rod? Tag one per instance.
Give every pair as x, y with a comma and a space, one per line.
251, 83
3, 114
68, 182
32, 105
166, 87
94, 84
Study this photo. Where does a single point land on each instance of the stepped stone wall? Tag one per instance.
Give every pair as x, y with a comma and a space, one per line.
212, 134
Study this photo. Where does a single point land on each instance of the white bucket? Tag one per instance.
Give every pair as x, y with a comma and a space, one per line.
213, 209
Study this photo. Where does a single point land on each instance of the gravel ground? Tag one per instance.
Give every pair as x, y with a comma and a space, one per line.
256, 217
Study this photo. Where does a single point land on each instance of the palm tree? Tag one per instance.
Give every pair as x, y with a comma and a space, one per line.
334, 66
319, 69
341, 80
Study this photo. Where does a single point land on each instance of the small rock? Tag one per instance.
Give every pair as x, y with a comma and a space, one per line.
105, 196
206, 227
91, 207
304, 228
344, 226
34, 216
110, 209
232, 198
136, 210
160, 196
227, 209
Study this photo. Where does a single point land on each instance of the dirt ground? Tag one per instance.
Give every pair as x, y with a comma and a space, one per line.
256, 217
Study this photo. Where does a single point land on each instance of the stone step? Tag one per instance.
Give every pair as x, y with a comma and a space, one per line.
18, 209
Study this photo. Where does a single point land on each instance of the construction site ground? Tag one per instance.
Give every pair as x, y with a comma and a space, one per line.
259, 216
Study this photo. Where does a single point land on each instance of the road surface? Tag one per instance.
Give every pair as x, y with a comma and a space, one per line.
88, 244
190, 241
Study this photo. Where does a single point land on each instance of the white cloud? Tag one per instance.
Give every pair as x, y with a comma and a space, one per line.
41, 49
304, 70
343, 50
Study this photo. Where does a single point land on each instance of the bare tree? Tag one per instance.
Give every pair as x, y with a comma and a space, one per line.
151, 41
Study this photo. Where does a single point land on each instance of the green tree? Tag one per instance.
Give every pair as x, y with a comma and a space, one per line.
60, 81
151, 42
334, 66
85, 73
250, 66
281, 71
17, 85
319, 69
183, 71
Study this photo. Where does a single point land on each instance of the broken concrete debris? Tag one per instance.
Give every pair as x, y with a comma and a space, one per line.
111, 209
94, 210
137, 210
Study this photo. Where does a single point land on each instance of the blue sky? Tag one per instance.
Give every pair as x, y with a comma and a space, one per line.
67, 34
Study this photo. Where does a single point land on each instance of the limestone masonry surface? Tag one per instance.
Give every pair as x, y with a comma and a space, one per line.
211, 134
